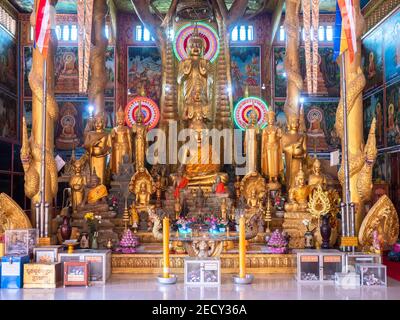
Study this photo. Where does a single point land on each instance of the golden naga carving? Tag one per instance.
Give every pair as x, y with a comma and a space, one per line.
253, 182
157, 224
383, 218
120, 141
98, 75
31, 148
292, 63
11, 215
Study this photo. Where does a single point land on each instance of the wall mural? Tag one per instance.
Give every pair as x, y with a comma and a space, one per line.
373, 107
66, 71
328, 72
381, 171
8, 61
8, 117
28, 116
144, 68
320, 117
393, 114
245, 71
372, 60
391, 31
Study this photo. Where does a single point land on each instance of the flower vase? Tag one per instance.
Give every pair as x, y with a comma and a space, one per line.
308, 240
66, 228
94, 244
325, 230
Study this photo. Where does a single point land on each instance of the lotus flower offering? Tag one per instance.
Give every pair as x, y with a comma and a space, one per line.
277, 243
128, 242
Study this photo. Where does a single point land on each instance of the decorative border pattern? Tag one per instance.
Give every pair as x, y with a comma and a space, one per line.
243, 108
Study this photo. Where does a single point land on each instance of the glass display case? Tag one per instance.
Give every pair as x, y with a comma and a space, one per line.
372, 274
318, 265
204, 271
359, 257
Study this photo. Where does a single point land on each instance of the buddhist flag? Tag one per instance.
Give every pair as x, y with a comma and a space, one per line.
345, 29
42, 27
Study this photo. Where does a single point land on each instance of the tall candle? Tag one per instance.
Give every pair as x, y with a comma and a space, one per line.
242, 248
166, 247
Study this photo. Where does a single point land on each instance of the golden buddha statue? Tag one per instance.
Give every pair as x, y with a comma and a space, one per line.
251, 143
294, 147
120, 141
77, 183
271, 152
143, 187
140, 131
134, 217
194, 78
197, 111
298, 194
317, 177
224, 210
96, 145
253, 201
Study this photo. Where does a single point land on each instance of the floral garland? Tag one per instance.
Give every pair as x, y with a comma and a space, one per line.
307, 42
315, 55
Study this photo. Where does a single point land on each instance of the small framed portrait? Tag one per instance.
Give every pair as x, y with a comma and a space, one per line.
76, 273
45, 257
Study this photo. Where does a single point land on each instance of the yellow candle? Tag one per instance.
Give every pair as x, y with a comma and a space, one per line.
166, 247
242, 247
1, 249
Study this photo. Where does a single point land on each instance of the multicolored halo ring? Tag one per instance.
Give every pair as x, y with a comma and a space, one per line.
207, 32
150, 112
241, 113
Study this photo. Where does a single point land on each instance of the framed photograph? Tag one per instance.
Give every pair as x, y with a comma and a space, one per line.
45, 257
76, 273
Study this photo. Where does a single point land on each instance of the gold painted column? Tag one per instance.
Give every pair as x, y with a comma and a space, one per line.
361, 159
98, 77
31, 149
292, 64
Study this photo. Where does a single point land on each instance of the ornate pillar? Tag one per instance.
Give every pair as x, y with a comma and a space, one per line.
361, 159
98, 77
31, 148
292, 64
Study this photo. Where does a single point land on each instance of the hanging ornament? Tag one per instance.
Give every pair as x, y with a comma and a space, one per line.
315, 56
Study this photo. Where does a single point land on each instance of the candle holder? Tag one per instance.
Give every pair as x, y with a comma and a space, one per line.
247, 279
170, 280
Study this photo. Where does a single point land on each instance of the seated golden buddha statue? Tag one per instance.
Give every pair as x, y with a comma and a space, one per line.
142, 185
298, 194
95, 195
317, 177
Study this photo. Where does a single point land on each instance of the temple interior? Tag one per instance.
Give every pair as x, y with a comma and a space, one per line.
160, 143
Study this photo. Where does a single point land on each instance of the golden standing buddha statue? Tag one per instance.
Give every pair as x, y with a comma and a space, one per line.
77, 183
271, 152
96, 145
298, 194
140, 131
251, 143
317, 177
294, 146
120, 141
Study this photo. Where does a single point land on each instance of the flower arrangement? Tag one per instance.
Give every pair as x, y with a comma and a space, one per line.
307, 224
184, 224
216, 225
92, 221
279, 202
277, 243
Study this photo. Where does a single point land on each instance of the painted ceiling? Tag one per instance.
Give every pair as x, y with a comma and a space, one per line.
69, 6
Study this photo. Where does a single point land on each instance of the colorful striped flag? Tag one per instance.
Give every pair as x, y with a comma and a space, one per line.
42, 27
345, 29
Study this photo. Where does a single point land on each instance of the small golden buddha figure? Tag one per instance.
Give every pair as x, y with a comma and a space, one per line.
140, 131
177, 208
224, 209
237, 188
271, 152
120, 141
77, 183
294, 147
317, 177
142, 185
96, 145
298, 194
251, 142
253, 201
142, 197
134, 217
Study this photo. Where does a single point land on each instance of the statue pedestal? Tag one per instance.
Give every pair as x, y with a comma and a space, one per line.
293, 225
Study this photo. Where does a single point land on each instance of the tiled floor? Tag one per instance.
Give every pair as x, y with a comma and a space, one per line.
264, 287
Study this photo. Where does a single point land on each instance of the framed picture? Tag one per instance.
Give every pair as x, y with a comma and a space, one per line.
76, 273
45, 257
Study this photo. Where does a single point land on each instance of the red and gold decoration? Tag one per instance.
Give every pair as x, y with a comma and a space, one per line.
150, 112
244, 108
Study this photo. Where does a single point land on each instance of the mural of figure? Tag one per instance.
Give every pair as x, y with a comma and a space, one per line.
371, 66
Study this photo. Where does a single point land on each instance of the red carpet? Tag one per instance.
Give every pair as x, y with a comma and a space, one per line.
393, 268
